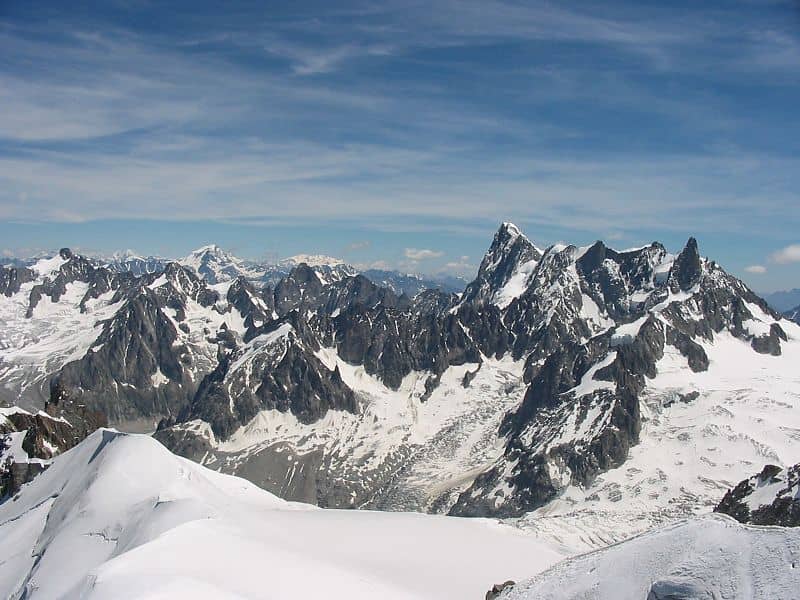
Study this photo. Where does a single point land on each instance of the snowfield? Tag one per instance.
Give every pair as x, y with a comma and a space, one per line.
746, 415
712, 557
119, 516
443, 442
33, 348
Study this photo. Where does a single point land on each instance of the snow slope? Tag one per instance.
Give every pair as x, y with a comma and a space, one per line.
712, 558
32, 348
401, 452
746, 415
119, 516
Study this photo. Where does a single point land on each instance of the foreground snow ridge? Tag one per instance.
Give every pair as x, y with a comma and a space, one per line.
119, 516
711, 557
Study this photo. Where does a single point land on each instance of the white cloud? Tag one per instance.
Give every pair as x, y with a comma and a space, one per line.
361, 245
462, 266
421, 253
756, 269
789, 254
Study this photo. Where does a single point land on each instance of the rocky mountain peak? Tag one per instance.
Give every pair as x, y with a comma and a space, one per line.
687, 270
509, 260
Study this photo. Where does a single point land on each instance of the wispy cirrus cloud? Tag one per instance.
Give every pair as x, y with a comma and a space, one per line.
441, 117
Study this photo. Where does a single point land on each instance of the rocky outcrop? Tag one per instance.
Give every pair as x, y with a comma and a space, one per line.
497, 589
28, 441
275, 370
770, 498
11, 278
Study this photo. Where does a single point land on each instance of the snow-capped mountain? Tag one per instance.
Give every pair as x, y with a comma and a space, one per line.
312, 260
131, 262
215, 265
586, 366
553, 384
411, 284
505, 270
118, 516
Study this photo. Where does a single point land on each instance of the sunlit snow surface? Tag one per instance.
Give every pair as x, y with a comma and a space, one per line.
690, 453
33, 348
711, 557
120, 517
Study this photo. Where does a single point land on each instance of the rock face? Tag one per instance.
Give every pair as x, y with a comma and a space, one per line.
497, 589
28, 442
150, 354
509, 259
770, 498
324, 386
11, 278
591, 346
277, 370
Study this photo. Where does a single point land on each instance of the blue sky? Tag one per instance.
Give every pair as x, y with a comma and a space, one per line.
375, 130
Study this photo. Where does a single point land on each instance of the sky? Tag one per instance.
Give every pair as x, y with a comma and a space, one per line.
400, 134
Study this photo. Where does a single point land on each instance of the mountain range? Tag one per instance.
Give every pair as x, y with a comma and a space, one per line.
582, 393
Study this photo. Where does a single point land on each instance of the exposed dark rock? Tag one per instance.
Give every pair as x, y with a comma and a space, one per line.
687, 270
12, 278
680, 589
783, 487
770, 343
694, 353
497, 589
44, 435
283, 374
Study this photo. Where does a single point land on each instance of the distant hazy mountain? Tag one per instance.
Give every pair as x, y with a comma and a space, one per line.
131, 262
783, 300
411, 284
